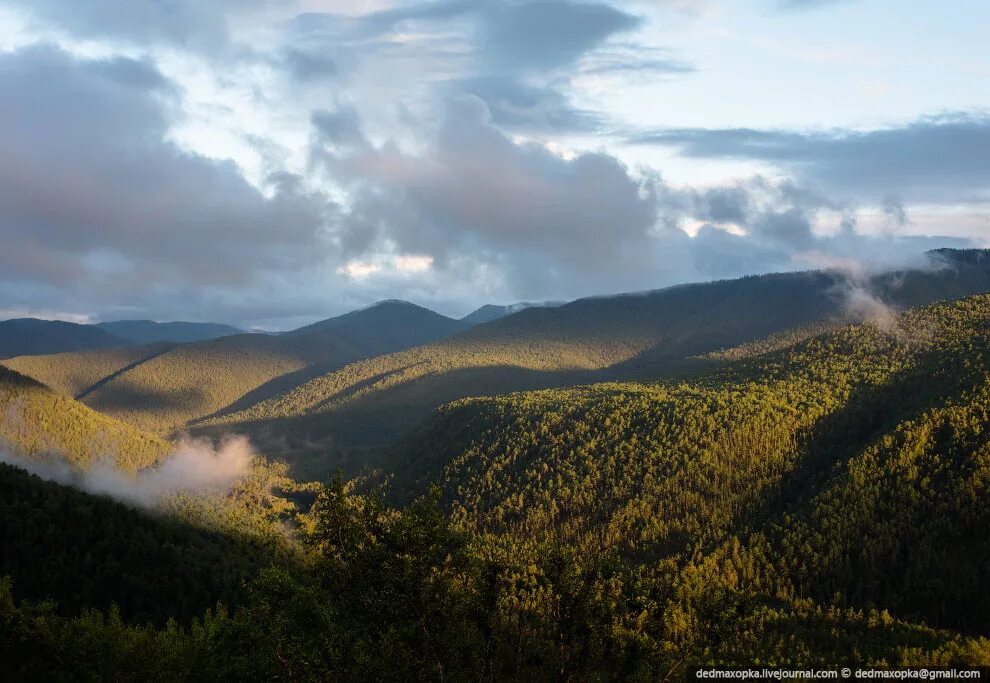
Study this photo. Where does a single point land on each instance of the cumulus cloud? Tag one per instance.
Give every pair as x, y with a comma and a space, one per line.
95, 198
194, 468
456, 139
475, 190
520, 106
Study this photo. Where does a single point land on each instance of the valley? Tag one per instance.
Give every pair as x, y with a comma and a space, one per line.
717, 473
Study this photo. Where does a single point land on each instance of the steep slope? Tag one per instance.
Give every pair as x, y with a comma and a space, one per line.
148, 331
820, 500
194, 380
848, 471
36, 420
490, 312
223, 375
75, 373
28, 336
386, 327
90, 551
631, 336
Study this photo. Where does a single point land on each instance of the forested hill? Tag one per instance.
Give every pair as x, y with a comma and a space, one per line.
160, 388
650, 334
30, 336
76, 373
820, 503
386, 327
846, 472
36, 421
149, 331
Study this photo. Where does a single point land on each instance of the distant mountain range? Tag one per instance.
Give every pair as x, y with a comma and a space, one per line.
29, 335
365, 377
490, 312
148, 331
792, 468
390, 324
26, 336
160, 387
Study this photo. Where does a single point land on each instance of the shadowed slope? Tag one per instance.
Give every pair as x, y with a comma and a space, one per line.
75, 373
28, 336
652, 334
148, 331
215, 377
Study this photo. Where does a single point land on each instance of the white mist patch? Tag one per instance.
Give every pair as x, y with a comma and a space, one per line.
863, 305
859, 300
196, 467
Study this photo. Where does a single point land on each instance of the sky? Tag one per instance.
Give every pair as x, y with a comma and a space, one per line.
268, 163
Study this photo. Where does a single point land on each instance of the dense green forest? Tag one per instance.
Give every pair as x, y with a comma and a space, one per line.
77, 373
819, 497
160, 388
637, 336
38, 421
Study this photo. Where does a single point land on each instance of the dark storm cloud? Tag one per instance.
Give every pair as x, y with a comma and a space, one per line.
92, 195
939, 159
570, 226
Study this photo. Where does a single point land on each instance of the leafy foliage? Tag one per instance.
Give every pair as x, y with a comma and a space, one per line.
642, 336
816, 498
76, 373
38, 421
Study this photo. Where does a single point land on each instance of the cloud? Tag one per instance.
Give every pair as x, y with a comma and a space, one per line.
95, 199
189, 24
546, 34
518, 56
939, 159
307, 65
517, 105
195, 468
807, 4
474, 190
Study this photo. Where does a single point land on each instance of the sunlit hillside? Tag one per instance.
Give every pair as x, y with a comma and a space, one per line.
37, 421
654, 334
161, 388
76, 373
